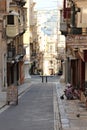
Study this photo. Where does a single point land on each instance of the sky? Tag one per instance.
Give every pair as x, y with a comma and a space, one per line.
48, 4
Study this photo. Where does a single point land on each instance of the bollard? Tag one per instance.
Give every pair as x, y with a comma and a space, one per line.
42, 79
46, 79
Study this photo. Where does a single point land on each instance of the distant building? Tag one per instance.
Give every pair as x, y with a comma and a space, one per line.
50, 41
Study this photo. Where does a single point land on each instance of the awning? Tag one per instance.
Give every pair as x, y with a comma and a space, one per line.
83, 54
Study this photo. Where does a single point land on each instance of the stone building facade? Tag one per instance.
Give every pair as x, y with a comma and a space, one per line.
12, 52
74, 27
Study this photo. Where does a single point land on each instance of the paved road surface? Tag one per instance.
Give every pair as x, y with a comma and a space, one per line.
36, 110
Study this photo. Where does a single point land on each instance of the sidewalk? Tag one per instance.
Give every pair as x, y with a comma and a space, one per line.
21, 89
73, 113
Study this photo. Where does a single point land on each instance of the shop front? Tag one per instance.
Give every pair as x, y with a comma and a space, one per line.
76, 47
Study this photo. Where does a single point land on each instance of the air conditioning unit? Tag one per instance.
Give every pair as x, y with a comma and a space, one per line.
81, 18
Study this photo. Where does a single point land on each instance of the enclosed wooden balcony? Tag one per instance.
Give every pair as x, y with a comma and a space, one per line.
25, 18
21, 2
63, 28
12, 27
81, 16
75, 30
21, 25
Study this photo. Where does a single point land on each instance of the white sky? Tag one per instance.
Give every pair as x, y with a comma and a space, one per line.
48, 4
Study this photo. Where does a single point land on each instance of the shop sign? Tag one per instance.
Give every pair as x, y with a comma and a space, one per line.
76, 40
12, 94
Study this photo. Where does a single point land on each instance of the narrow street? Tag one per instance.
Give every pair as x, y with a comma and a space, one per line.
37, 108
40, 108
43, 68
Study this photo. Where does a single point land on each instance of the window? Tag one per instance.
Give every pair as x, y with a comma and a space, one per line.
51, 48
51, 62
10, 19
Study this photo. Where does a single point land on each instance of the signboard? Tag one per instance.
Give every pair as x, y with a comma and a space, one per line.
76, 40
12, 94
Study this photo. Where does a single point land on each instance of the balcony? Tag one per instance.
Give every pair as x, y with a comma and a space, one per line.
75, 30
63, 28
15, 24
12, 28
81, 20
67, 13
80, 3
11, 31
25, 18
17, 0
20, 2
21, 25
